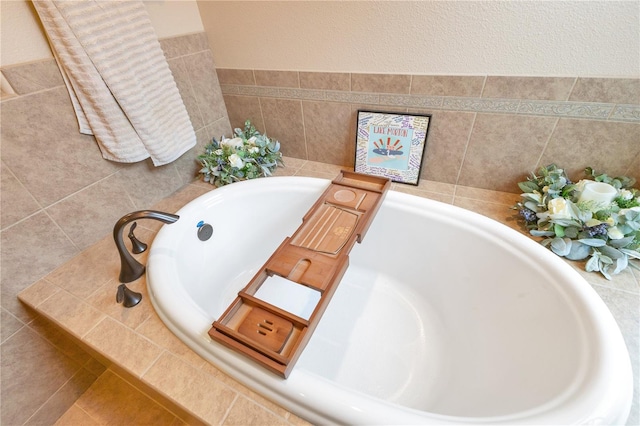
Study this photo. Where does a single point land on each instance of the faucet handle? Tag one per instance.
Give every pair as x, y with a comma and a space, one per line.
137, 246
127, 297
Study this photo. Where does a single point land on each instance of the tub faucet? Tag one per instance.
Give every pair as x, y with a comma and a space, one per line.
130, 268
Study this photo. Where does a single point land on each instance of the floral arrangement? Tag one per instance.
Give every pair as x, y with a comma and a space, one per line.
248, 155
596, 218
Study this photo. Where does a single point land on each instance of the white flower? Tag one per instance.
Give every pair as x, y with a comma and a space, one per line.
233, 143
626, 194
218, 152
559, 208
545, 189
614, 233
235, 160
254, 150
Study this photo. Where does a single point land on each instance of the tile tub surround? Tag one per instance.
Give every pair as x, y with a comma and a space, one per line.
185, 383
60, 197
486, 132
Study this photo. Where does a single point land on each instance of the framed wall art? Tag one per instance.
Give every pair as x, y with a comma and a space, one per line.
391, 144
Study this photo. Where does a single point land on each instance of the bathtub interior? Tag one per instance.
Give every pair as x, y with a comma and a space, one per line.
420, 317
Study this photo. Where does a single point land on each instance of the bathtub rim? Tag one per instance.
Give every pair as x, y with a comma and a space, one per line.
246, 372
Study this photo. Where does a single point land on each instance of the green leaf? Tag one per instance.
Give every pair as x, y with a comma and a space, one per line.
528, 186
593, 242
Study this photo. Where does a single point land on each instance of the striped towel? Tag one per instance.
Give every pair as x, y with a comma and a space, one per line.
118, 79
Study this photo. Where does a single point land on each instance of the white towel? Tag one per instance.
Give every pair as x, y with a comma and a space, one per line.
118, 79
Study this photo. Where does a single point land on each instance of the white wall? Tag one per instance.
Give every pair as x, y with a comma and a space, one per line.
22, 38
539, 38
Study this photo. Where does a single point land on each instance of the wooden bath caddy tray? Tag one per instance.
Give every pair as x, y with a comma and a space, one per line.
273, 317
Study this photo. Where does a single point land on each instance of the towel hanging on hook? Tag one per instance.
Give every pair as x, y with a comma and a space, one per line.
118, 79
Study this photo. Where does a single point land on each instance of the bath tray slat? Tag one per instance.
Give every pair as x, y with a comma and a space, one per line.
315, 256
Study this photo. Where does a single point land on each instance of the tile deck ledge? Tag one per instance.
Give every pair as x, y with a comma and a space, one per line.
79, 297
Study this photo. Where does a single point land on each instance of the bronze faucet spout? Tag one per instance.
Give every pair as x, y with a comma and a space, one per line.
130, 268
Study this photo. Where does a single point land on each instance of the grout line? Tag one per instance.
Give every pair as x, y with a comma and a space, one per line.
546, 144
464, 155
228, 411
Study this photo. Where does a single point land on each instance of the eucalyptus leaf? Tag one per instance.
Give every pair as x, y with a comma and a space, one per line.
611, 252
632, 253
528, 186
621, 264
561, 246
537, 233
622, 242
593, 242
578, 251
592, 265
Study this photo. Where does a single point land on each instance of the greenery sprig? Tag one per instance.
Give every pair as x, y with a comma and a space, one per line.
575, 226
248, 155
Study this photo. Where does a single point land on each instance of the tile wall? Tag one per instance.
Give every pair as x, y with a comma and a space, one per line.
58, 198
486, 132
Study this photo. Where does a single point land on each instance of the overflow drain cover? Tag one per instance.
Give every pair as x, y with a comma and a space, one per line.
204, 231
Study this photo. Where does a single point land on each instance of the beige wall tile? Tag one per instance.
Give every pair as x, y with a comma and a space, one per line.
207, 397
614, 90
276, 78
34, 76
29, 250
606, 146
43, 131
80, 280
234, 76
112, 400
184, 45
203, 78
447, 85
330, 132
181, 77
16, 203
242, 108
325, 80
446, 144
283, 121
88, 215
187, 166
124, 346
146, 184
543, 88
503, 149
381, 83
634, 168
32, 371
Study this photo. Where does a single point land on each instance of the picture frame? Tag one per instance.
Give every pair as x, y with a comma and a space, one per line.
391, 144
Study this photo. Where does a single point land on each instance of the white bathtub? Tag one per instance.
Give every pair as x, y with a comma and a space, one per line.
443, 317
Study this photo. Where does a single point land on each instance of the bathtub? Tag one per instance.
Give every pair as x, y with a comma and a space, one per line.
443, 316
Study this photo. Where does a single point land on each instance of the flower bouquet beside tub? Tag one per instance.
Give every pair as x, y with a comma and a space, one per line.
248, 155
596, 218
